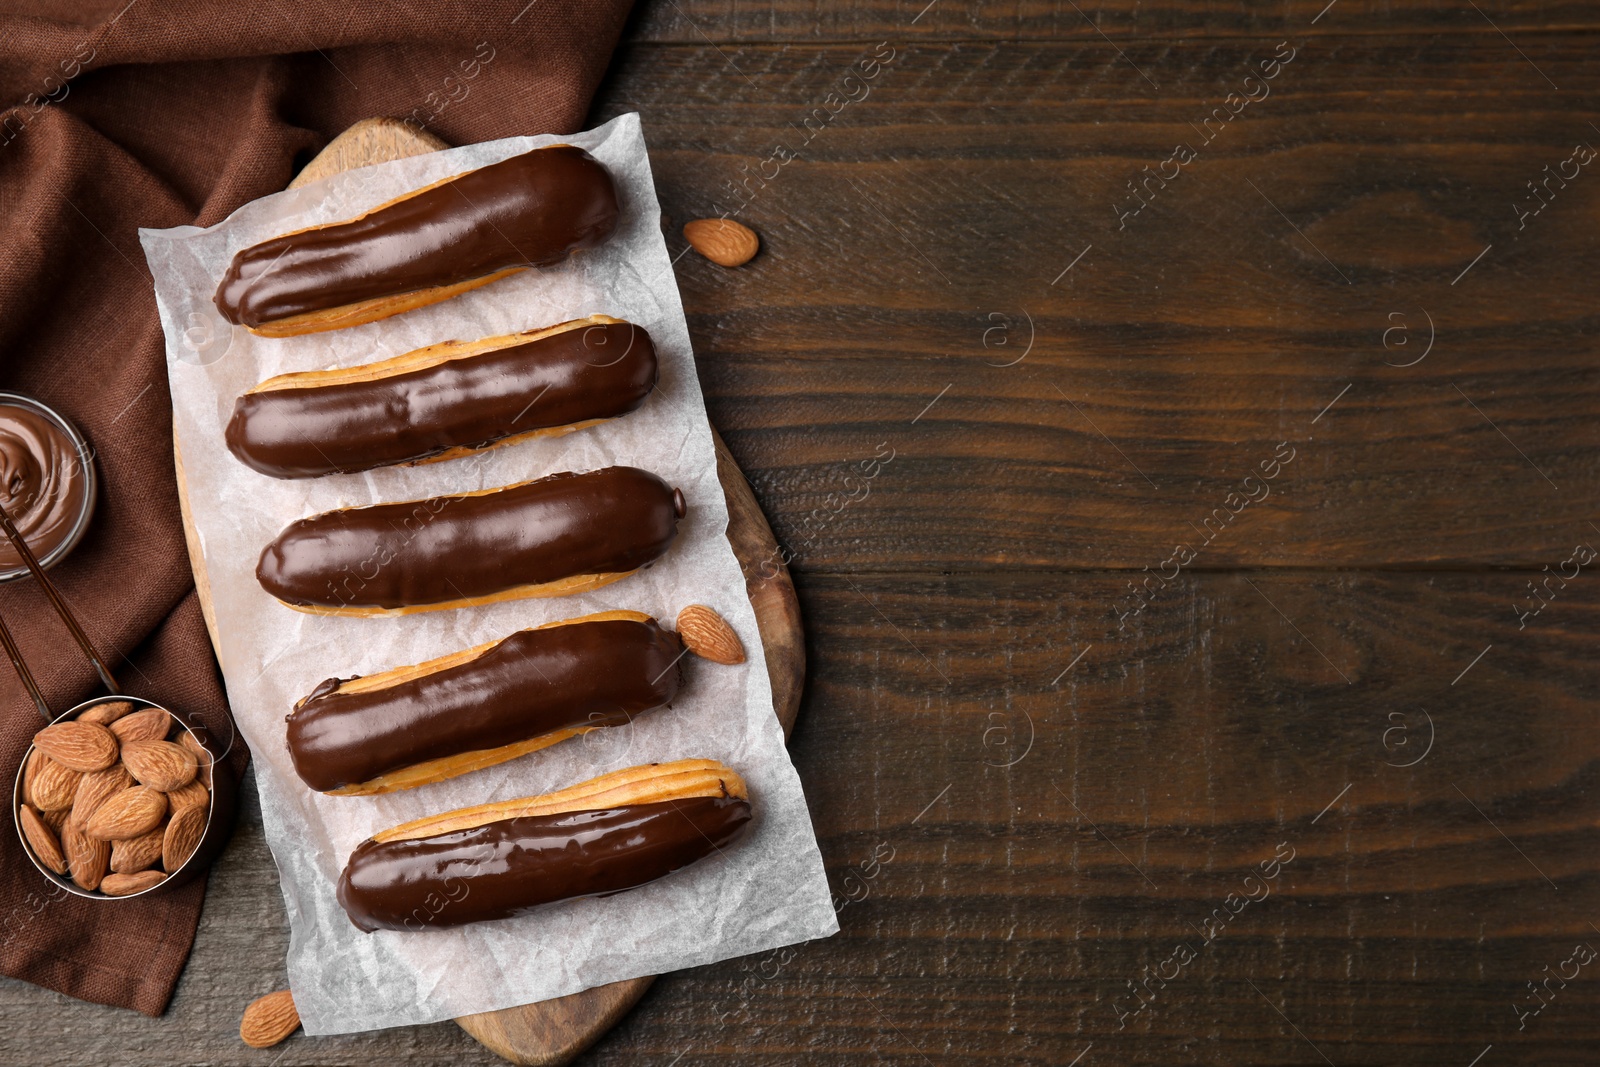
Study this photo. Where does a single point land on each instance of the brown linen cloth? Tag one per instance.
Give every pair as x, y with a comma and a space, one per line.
158, 113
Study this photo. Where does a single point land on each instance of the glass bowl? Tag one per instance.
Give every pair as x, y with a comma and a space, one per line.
80, 523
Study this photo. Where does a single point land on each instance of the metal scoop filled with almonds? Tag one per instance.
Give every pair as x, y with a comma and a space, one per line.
117, 797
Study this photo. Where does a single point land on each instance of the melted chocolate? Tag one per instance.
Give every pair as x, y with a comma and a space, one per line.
597, 673
422, 552
42, 483
512, 866
591, 372
531, 210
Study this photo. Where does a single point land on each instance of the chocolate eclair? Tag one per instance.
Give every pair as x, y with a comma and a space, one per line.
532, 210
495, 861
556, 536
412, 726
445, 400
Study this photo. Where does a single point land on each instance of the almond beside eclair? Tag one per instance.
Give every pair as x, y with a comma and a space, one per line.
554, 536
494, 861
531, 210
413, 726
445, 400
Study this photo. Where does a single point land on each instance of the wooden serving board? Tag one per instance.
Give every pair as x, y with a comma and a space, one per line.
555, 1031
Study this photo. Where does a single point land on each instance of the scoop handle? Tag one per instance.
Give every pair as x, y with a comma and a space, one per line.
57, 602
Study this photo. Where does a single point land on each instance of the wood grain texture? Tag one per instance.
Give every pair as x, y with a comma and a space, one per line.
370, 141
913, 244
1009, 912
555, 1031
771, 590
692, 22
1009, 917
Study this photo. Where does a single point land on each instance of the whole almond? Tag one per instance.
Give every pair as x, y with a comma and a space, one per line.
151, 724
269, 1019
94, 789
86, 857
193, 795
708, 635
78, 746
54, 819
30, 771
182, 837
203, 758
122, 885
159, 764
722, 241
137, 853
134, 811
107, 713
42, 840
53, 786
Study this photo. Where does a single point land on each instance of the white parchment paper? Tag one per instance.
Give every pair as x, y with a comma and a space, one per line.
769, 890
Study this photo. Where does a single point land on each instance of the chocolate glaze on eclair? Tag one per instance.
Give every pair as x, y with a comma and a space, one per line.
532, 210
580, 674
511, 866
320, 422
548, 537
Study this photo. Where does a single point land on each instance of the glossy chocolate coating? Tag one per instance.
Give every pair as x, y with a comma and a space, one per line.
531, 210
421, 552
42, 483
596, 673
591, 372
512, 866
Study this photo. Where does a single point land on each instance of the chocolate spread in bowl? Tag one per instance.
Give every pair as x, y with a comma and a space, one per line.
44, 486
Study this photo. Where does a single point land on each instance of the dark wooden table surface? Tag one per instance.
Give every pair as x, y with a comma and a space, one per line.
1178, 690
